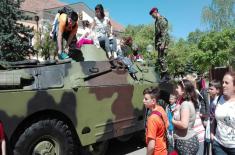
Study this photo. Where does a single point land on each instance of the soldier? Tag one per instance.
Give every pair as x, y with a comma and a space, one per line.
161, 41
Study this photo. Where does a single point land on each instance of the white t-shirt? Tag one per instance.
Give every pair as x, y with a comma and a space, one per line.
102, 26
225, 118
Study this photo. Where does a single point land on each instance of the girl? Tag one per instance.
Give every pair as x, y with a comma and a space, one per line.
186, 141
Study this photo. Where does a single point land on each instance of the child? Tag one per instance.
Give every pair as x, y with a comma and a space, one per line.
136, 56
2, 140
87, 37
157, 123
214, 92
169, 110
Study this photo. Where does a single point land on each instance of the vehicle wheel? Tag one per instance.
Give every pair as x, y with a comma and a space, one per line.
51, 137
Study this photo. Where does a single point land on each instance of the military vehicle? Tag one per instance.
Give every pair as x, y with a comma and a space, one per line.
66, 108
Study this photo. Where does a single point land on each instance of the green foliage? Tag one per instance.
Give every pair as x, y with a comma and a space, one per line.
206, 51
44, 43
14, 37
142, 35
189, 68
198, 53
195, 37
179, 54
145, 36
214, 49
219, 15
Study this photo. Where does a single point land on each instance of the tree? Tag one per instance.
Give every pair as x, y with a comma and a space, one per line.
179, 54
142, 35
44, 43
195, 37
219, 15
14, 37
215, 49
145, 36
189, 68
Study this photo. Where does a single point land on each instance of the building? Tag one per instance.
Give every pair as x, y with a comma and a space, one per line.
43, 11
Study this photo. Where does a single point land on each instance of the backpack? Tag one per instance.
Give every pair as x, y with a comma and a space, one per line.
65, 10
68, 12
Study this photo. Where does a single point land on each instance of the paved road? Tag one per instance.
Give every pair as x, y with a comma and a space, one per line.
133, 146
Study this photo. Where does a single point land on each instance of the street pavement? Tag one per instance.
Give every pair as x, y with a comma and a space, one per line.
138, 152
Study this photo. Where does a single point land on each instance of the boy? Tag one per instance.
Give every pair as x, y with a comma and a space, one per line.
157, 123
214, 92
170, 110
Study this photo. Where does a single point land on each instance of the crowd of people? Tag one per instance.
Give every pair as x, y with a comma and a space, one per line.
198, 120
98, 32
192, 129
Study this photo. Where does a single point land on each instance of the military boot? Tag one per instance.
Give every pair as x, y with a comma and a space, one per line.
165, 77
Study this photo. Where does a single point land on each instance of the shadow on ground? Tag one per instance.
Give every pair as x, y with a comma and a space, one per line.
117, 147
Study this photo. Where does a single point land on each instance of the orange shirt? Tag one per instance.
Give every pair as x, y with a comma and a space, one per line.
156, 130
65, 28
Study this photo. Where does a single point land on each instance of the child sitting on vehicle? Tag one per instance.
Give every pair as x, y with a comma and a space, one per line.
87, 37
136, 56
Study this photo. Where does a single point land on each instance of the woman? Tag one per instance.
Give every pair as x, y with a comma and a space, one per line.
186, 141
104, 30
200, 112
224, 137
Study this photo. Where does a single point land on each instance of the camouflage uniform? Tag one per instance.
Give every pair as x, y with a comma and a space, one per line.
161, 39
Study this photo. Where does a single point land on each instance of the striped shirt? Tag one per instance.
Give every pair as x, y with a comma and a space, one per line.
199, 128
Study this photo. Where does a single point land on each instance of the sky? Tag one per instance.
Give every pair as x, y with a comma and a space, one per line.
184, 16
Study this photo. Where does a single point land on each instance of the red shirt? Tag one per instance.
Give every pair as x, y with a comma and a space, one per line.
2, 136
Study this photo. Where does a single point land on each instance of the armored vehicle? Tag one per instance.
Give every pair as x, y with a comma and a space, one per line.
65, 108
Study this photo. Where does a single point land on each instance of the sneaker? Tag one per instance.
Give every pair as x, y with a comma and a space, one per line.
134, 76
132, 70
63, 56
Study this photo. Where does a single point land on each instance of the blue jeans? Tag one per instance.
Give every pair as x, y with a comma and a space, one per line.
104, 40
110, 45
219, 149
113, 44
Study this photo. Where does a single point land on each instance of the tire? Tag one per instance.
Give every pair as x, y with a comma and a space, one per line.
50, 136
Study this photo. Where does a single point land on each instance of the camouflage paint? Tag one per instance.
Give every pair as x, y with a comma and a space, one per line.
90, 94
